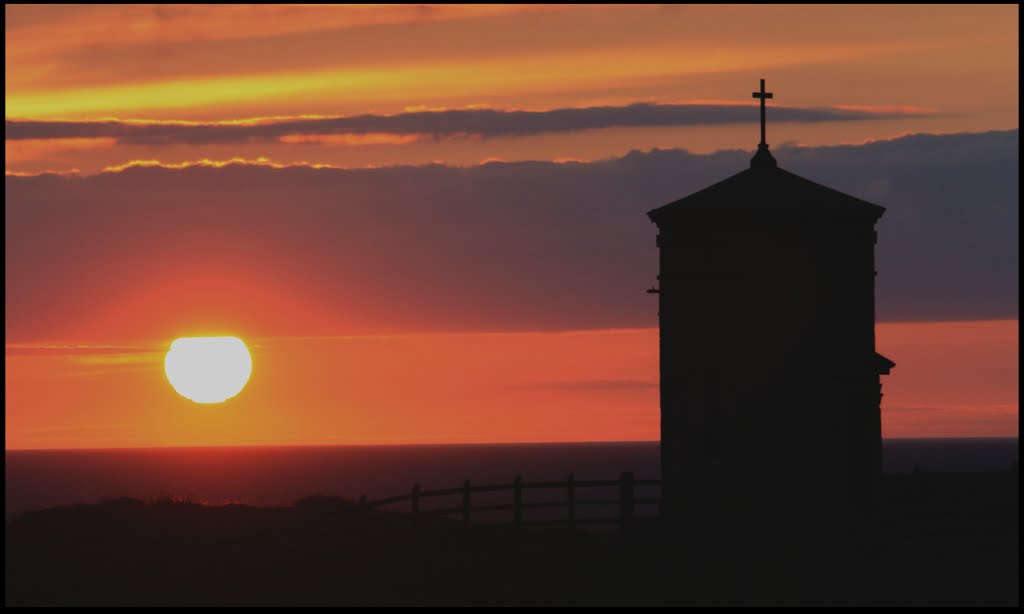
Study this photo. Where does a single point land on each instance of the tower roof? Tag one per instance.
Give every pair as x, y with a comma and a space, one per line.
765, 190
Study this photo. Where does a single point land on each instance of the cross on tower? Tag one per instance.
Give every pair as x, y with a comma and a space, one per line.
763, 96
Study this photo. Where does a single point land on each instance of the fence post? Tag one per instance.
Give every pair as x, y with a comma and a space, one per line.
362, 508
572, 501
517, 502
415, 500
626, 501
465, 504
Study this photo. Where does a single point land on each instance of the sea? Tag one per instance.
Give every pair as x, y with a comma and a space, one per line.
37, 479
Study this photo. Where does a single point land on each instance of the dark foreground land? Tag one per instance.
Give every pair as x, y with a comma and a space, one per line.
938, 539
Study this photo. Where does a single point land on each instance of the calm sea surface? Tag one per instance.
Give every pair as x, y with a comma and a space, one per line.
275, 476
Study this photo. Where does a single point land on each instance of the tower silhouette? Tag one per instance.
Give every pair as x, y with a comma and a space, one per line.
770, 383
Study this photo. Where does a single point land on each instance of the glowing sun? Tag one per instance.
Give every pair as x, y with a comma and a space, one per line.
208, 369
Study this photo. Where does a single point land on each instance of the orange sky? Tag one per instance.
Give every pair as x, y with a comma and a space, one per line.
953, 379
956, 65
194, 70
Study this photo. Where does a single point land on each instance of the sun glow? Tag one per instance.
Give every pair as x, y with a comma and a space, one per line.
208, 369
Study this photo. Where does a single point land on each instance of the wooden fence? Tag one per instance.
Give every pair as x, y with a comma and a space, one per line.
626, 501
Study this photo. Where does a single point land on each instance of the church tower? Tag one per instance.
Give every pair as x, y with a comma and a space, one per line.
770, 383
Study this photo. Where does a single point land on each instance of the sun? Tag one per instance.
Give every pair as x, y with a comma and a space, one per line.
208, 369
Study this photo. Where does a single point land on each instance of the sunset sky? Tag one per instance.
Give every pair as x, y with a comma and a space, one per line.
428, 223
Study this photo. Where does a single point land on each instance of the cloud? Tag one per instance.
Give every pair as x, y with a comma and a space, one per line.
36, 31
954, 421
497, 247
83, 360
76, 350
948, 246
486, 123
589, 385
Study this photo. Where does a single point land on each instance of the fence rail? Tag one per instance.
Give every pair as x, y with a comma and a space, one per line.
626, 501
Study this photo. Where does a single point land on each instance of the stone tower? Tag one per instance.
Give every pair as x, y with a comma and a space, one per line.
770, 387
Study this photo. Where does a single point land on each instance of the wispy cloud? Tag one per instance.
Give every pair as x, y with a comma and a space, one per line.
975, 420
588, 385
74, 349
408, 127
86, 360
34, 30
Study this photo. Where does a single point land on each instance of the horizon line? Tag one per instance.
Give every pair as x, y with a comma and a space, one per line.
438, 444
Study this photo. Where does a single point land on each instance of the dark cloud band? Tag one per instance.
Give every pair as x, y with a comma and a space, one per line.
521, 246
485, 123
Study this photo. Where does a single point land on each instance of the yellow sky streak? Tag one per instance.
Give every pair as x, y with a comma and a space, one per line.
516, 74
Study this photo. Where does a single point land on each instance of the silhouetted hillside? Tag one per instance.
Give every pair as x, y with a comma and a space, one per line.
938, 539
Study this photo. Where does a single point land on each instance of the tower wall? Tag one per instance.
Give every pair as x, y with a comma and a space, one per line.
768, 383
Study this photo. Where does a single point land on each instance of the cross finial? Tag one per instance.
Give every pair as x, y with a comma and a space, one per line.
763, 95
